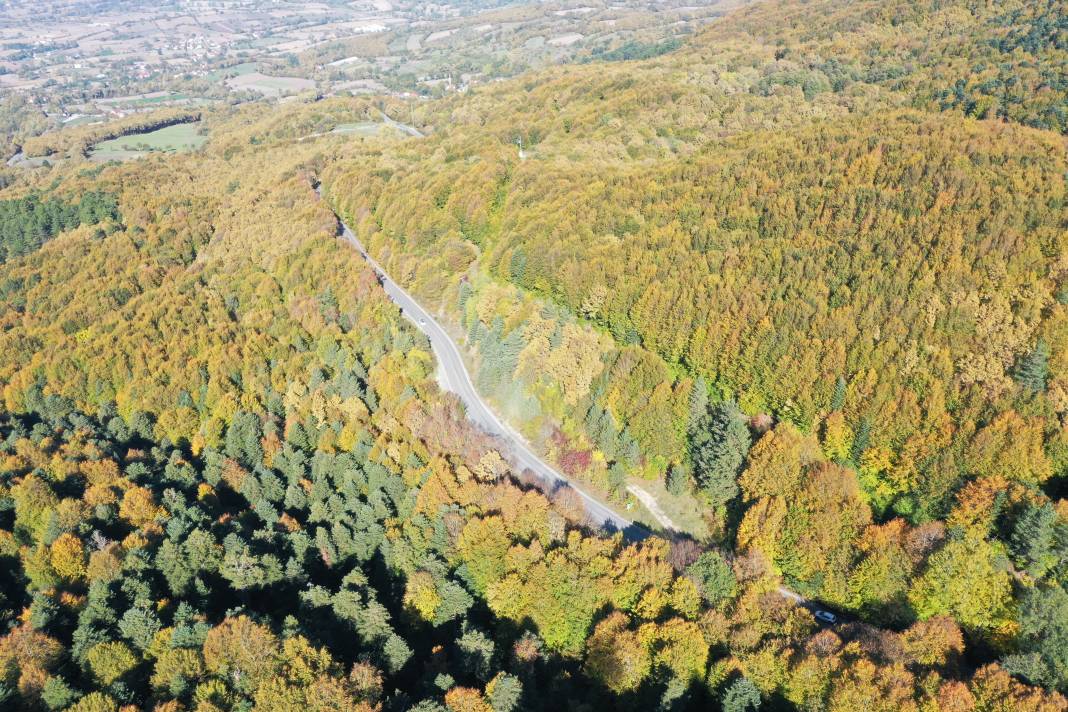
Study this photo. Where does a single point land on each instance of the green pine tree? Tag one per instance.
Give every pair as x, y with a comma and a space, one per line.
1033, 369
718, 449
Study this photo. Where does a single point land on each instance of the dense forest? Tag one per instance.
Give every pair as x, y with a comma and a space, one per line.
26, 223
230, 482
785, 233
804, 278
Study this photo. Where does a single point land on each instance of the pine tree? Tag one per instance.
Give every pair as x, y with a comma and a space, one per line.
395, 653
698, 403
243, 439
1043, 638
475, 650
328, 305
741, 696
504, 692
713, 577
139, 625
517, 266
861, 439
839, 395
57, 694
1033, 369
466, 290
718, 450
1040, 540
677, 480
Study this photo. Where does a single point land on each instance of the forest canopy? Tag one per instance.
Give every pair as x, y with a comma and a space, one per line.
800, 281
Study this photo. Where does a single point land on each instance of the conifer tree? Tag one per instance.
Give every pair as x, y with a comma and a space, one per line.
677, 480
1033, 369
718, 449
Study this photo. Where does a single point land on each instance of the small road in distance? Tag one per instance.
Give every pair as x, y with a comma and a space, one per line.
410, 130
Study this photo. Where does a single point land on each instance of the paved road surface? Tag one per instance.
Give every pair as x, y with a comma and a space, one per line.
454, 377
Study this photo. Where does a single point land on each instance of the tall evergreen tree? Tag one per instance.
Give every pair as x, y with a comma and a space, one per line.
677, 480
1033, 369
839, 395
698, 403
1043, 640
243, 439
1040, 541
718, 449
741, 696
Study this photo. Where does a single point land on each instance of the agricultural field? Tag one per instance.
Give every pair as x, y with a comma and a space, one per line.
172, 139
150, 100
61, 59
82, 120
235, 70
454, 53
269, 86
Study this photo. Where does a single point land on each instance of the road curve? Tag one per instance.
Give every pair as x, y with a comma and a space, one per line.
454, 378
405, 128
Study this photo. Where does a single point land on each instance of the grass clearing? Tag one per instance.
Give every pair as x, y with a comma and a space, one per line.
84, 120
363, 128
150, 99
685, 511
180, 137
236, 70
153, 100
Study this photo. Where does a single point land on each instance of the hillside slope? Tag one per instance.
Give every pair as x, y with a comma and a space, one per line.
772, 277
790, 223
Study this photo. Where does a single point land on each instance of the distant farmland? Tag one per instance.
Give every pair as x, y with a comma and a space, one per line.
270, 86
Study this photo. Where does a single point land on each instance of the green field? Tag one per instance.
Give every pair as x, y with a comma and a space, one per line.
180, 137
363, 128
83, 120
150, 100
270, 85
232, 71
145, 100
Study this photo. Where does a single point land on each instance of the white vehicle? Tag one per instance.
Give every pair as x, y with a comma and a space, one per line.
422, 322
826, 617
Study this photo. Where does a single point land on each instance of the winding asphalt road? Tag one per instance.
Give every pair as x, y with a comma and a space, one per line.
453, 377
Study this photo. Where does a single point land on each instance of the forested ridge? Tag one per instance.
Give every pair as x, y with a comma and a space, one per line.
229, 482
784, 221
991, 60
818, 236
802, 277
